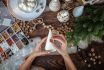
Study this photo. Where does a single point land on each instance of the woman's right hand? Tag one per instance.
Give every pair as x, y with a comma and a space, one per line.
63, 49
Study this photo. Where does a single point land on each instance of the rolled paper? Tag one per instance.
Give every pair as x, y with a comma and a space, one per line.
49, 45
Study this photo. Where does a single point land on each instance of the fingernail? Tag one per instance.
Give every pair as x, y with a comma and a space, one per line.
48, 52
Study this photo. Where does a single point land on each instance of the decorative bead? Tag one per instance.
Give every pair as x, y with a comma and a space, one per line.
85, 60
89, 54
89, 65
91, 59
92, 50
96, 57
94, 63
99, 56
93, 54
99, 62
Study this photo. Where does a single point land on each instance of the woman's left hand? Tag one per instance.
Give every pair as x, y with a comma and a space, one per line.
38, 50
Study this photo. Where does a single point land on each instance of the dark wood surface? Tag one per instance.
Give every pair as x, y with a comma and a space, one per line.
55, 62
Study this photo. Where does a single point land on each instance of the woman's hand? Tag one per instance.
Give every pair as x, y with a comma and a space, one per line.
63, 49
38, 50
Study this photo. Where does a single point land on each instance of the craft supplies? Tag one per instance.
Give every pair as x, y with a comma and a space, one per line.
54, 5
12, 39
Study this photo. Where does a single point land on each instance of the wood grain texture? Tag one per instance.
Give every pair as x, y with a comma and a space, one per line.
56, 62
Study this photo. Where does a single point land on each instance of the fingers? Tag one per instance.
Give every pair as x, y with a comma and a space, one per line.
39, 53
61, 37
56, 47
42, 41
58, 36
44, 53
59, 40
59, 50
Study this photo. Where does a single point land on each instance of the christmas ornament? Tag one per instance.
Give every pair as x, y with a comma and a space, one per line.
54, 5
72, 50
83, 44
78, 11
63, 16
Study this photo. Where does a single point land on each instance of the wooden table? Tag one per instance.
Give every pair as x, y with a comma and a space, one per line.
55, 62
